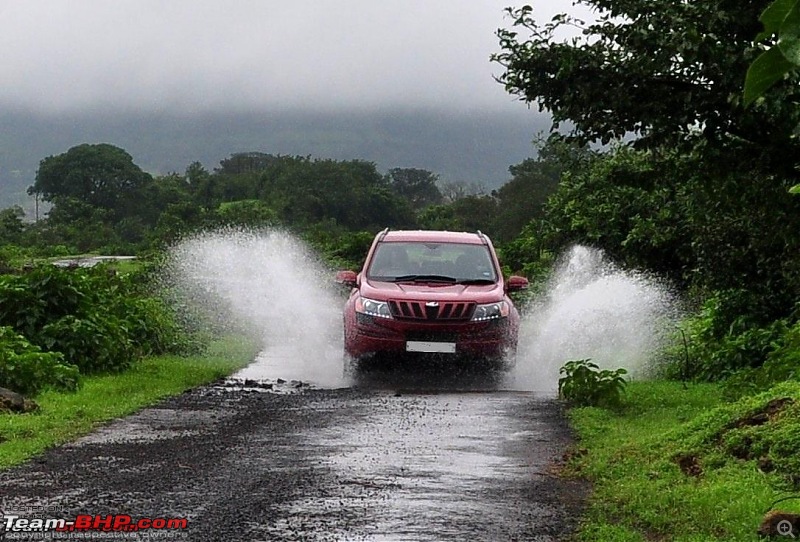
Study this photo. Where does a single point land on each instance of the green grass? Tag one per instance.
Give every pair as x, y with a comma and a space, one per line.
639, 491
65, 416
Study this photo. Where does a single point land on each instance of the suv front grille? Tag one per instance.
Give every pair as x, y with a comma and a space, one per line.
442, 310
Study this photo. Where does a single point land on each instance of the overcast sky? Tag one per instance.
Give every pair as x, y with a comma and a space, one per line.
211, 55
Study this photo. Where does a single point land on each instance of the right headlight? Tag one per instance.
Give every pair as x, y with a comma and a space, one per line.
490, 311
379, 309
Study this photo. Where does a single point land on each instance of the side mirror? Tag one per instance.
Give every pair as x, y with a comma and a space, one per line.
347, 278
516, 283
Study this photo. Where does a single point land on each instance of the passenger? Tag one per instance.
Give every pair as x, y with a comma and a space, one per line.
472, 265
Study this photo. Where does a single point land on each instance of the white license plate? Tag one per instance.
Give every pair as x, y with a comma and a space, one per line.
432, 347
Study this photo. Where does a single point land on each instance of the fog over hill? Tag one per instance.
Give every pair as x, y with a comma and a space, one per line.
472, 146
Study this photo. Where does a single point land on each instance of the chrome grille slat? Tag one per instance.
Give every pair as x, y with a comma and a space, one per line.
417, 310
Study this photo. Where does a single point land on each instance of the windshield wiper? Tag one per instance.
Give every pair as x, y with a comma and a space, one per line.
475, 281
425, 278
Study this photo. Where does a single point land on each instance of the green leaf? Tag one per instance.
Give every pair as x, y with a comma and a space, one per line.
789, 35
764, 72
773, 17
795, 189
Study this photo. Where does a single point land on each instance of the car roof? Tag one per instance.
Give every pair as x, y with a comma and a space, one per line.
433, 236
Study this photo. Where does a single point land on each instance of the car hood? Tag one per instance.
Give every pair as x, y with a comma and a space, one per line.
421, 291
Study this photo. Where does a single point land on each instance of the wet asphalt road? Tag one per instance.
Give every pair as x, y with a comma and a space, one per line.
377, 462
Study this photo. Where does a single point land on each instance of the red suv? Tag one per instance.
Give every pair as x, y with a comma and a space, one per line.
431, 292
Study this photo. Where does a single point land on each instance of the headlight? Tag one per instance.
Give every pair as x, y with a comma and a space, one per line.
490, 311
371, 307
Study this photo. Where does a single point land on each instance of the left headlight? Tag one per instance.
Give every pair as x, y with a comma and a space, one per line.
490, 311
371, 307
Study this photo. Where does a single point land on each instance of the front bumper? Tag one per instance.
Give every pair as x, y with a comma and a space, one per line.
366, 335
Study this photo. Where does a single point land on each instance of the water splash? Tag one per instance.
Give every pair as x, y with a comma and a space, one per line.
593, 309
270, 285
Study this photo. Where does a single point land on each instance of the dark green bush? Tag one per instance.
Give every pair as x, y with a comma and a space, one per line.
93, 343
154, 328
722, 340
30, 301
782, 364
100, 321
24, 368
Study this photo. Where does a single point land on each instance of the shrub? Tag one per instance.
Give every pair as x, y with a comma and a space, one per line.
782, 364
93, 343
722, 341
30, 301
584, 384
99, 320
154, 328
25, 369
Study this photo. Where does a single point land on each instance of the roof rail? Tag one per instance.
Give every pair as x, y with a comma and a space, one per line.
483, 237
382, 234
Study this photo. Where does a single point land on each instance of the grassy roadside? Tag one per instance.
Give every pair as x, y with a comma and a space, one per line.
66, 416
683, 465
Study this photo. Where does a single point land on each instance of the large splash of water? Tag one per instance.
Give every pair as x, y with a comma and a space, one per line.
593, 309
270, 285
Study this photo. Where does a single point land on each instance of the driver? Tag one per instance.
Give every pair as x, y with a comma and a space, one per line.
391, 261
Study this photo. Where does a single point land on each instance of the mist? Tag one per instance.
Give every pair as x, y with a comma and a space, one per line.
210, 55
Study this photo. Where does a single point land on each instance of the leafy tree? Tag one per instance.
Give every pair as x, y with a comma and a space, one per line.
418, 186
663, 71
156, 194
351, 193
246, 213
77, 223
177, 219
523, 198
709, 203
629, 203
453, 190
470, 213
246, 162
440, 217
781, 20
200, 184
11, 224
102, 176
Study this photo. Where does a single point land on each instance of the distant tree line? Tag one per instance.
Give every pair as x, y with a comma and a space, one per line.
102, 201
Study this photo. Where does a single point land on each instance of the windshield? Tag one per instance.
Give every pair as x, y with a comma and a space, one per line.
447, 262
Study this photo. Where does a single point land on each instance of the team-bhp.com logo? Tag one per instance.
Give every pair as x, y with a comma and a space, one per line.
88, 523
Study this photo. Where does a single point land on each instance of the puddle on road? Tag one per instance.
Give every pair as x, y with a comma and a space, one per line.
281, 369
426, 467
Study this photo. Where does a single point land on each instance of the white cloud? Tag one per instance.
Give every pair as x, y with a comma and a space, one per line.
245, 54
